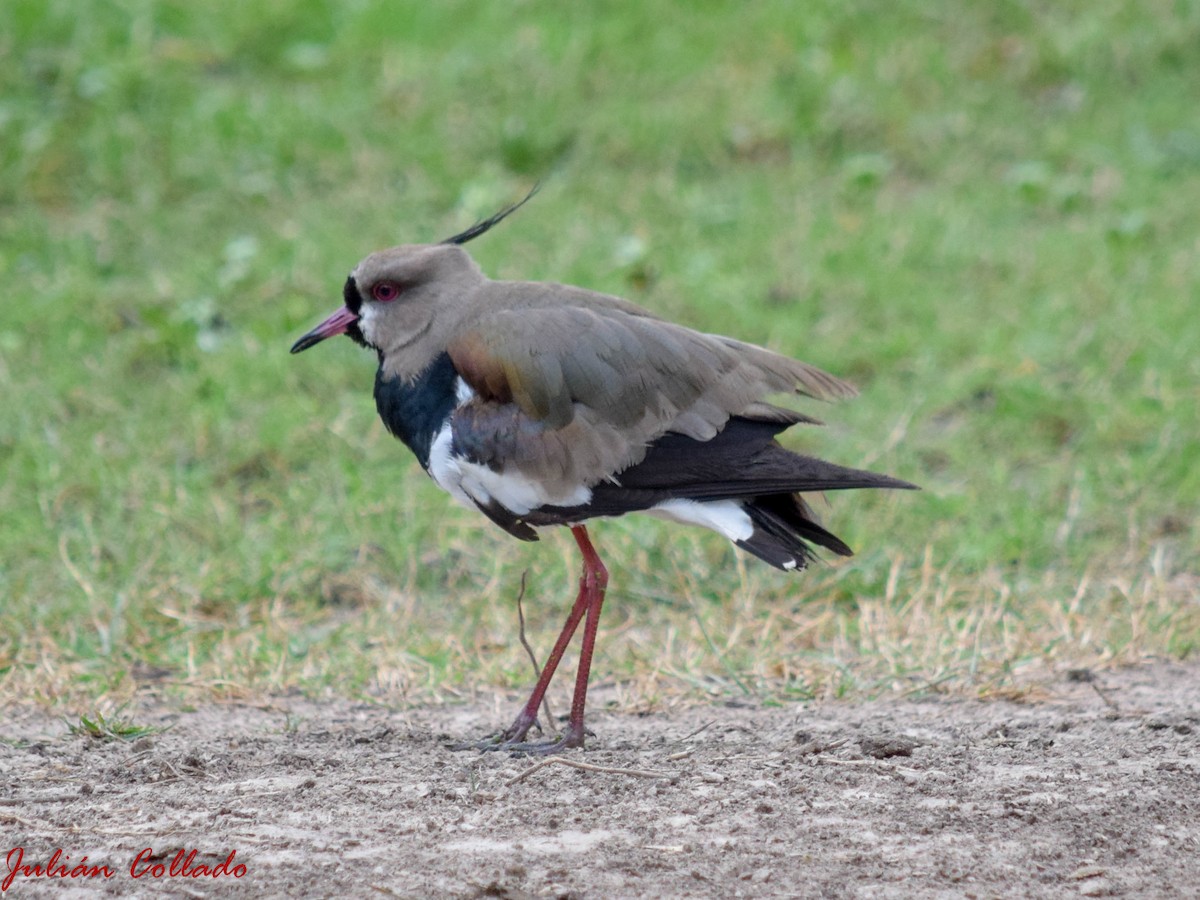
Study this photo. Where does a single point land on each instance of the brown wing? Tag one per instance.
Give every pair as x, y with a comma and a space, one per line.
571, 394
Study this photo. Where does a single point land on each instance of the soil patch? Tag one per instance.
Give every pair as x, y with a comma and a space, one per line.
1088, 787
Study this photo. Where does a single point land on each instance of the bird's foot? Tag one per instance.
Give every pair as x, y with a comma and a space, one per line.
501, 740
512, 740
571, 739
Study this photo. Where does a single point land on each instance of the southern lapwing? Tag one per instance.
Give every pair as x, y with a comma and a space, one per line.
545, 404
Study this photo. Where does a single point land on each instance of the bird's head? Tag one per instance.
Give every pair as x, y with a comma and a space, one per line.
394, 299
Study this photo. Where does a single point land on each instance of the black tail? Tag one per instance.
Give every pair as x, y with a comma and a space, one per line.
784, 528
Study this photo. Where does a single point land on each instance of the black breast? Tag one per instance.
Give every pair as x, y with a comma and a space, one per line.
415, 411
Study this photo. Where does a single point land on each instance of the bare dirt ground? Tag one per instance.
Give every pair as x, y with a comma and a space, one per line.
1090, 786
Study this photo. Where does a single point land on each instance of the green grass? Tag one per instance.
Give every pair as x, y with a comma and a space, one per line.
100, 727
986, 217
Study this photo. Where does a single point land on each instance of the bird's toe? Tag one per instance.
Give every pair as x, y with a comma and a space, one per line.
511, 737
572, 738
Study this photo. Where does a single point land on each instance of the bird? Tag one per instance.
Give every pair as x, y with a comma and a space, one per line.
541, 404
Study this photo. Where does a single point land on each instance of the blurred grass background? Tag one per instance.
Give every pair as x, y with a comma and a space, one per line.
987, 216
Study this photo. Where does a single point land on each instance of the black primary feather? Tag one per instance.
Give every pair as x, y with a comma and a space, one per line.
480, 227
742, 463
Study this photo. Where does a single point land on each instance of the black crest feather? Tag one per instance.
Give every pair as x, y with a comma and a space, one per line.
480, 227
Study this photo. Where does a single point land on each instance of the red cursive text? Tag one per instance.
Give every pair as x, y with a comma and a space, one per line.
181, 866
55, 867
144, 865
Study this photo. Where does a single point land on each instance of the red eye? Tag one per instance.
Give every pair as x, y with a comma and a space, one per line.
385, 291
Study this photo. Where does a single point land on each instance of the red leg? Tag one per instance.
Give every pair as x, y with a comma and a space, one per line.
592, 584
528, 714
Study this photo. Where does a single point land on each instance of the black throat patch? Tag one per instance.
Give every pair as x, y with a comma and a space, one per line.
353, 300
416, 410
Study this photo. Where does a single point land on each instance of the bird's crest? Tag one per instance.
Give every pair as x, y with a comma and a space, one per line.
480, 227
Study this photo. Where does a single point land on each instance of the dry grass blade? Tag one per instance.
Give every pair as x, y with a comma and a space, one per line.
548, 724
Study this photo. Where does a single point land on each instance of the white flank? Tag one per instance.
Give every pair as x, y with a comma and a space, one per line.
471, 483
444, 468
725, 517
514, 491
